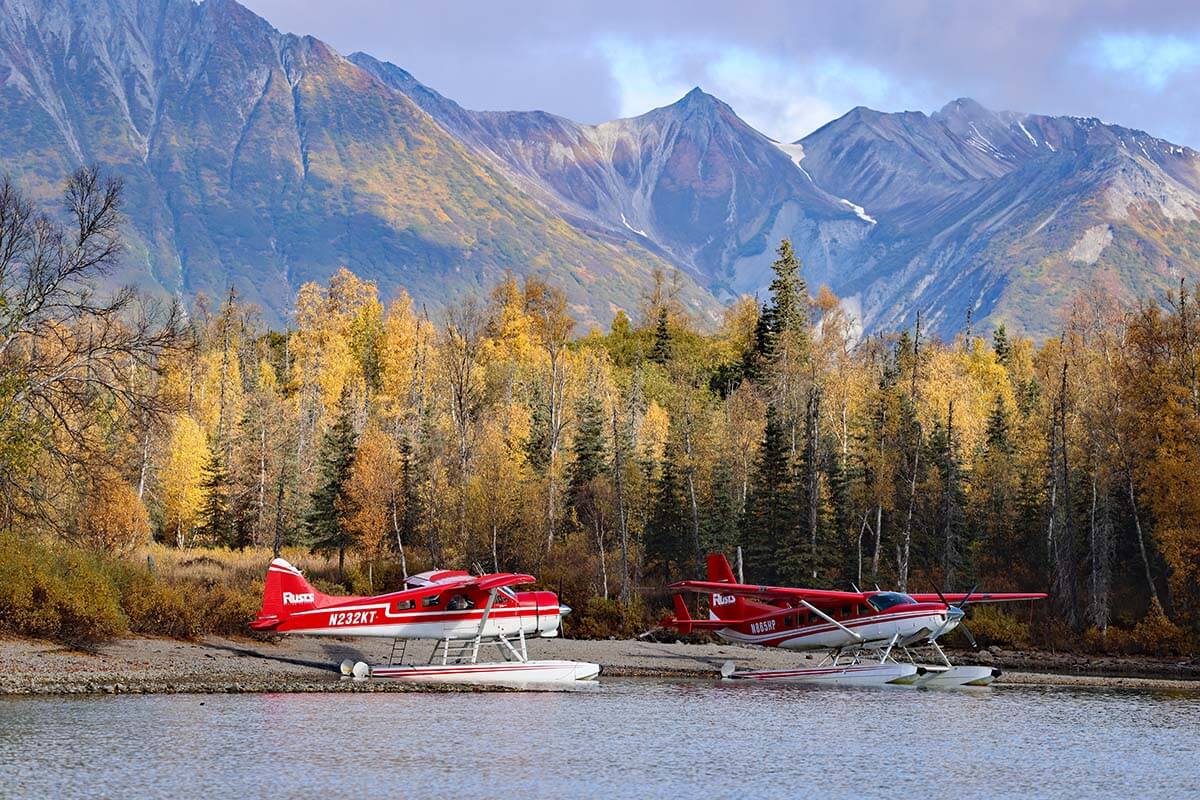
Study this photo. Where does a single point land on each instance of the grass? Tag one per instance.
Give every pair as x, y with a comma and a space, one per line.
55, 591
83, 597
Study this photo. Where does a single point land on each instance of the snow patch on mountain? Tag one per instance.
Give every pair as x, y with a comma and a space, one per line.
857, 209
1025, 131
625, 222
796, 153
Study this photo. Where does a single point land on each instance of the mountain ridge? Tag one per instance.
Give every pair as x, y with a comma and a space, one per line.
261, 159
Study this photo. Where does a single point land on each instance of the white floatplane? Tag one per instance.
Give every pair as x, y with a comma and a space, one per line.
462, 613
868, 637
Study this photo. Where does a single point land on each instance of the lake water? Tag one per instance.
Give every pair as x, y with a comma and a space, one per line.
626, 738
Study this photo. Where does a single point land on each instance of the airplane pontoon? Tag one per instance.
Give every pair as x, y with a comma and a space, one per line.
868, 637
461, 613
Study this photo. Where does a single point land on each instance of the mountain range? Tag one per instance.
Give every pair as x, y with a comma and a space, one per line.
260, 160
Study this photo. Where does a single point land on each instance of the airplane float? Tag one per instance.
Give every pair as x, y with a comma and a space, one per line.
861, 632
461, 612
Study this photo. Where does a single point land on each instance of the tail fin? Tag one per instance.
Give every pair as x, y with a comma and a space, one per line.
723, 606
285, 592
719, 569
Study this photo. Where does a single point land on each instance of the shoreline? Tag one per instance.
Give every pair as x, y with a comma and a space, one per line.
215, 665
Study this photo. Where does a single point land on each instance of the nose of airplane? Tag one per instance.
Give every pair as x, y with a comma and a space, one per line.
563, 609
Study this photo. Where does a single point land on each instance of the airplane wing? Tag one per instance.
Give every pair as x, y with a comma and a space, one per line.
815, 596
501, 579
980, 597
484, 583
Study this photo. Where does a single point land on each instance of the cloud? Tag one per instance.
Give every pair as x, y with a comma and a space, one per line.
782, 97
785, 67
1154, 60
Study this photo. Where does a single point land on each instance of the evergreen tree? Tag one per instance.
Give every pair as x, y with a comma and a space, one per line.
217, 521
840, 479
762, 353
1001, 346
770, 521
998, 427
410, 520
537, 444
588, 447
661, 352
667, 529
789, 294
329, 502
799, 554
720, 516
943, 450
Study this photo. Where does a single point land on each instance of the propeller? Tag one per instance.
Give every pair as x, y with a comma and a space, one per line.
961, 609
962, 606
970, 638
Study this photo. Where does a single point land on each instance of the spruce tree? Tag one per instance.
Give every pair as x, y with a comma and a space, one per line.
661, 352
667, 529
943, 451
537, 443
410, 497
217, 521
998, 427
789, 293
329, 501
771, 515
588, 447
1001, 345
587, 451
758, 359
720, 516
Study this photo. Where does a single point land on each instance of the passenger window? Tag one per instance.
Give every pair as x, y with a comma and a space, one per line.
431, 601
404, 605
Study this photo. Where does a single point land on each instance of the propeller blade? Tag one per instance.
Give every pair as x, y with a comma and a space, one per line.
942, 597
967, 599
967, 632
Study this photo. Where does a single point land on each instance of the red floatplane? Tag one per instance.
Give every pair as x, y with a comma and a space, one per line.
460, 611
868, 636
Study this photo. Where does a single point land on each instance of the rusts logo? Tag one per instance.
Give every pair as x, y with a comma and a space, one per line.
723, 599
290, 599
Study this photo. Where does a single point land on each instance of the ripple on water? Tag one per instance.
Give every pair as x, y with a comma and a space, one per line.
628, 738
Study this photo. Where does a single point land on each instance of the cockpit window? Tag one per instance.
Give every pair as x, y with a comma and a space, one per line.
885, 600
460, 602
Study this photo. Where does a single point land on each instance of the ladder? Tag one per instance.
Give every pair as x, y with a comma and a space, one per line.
403, 650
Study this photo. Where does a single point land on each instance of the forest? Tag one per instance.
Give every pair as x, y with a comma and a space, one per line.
386, 438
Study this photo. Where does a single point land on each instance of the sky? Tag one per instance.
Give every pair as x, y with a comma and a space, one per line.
785, 67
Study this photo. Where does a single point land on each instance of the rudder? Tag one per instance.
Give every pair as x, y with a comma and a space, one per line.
285, 592
723, 606
719, 569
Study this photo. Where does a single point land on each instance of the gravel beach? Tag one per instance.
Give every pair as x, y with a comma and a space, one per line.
213, 664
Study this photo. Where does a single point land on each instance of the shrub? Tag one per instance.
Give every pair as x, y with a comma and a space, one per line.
994, 626
600, 619
1155, 634
59, 594
113, 518
227, 610
156, 607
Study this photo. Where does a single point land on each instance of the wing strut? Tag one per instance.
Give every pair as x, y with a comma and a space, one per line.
828, 618
487, 611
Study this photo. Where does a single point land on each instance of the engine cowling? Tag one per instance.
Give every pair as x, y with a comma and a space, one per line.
549, 614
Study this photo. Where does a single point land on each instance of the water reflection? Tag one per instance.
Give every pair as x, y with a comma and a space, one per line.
629, 738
